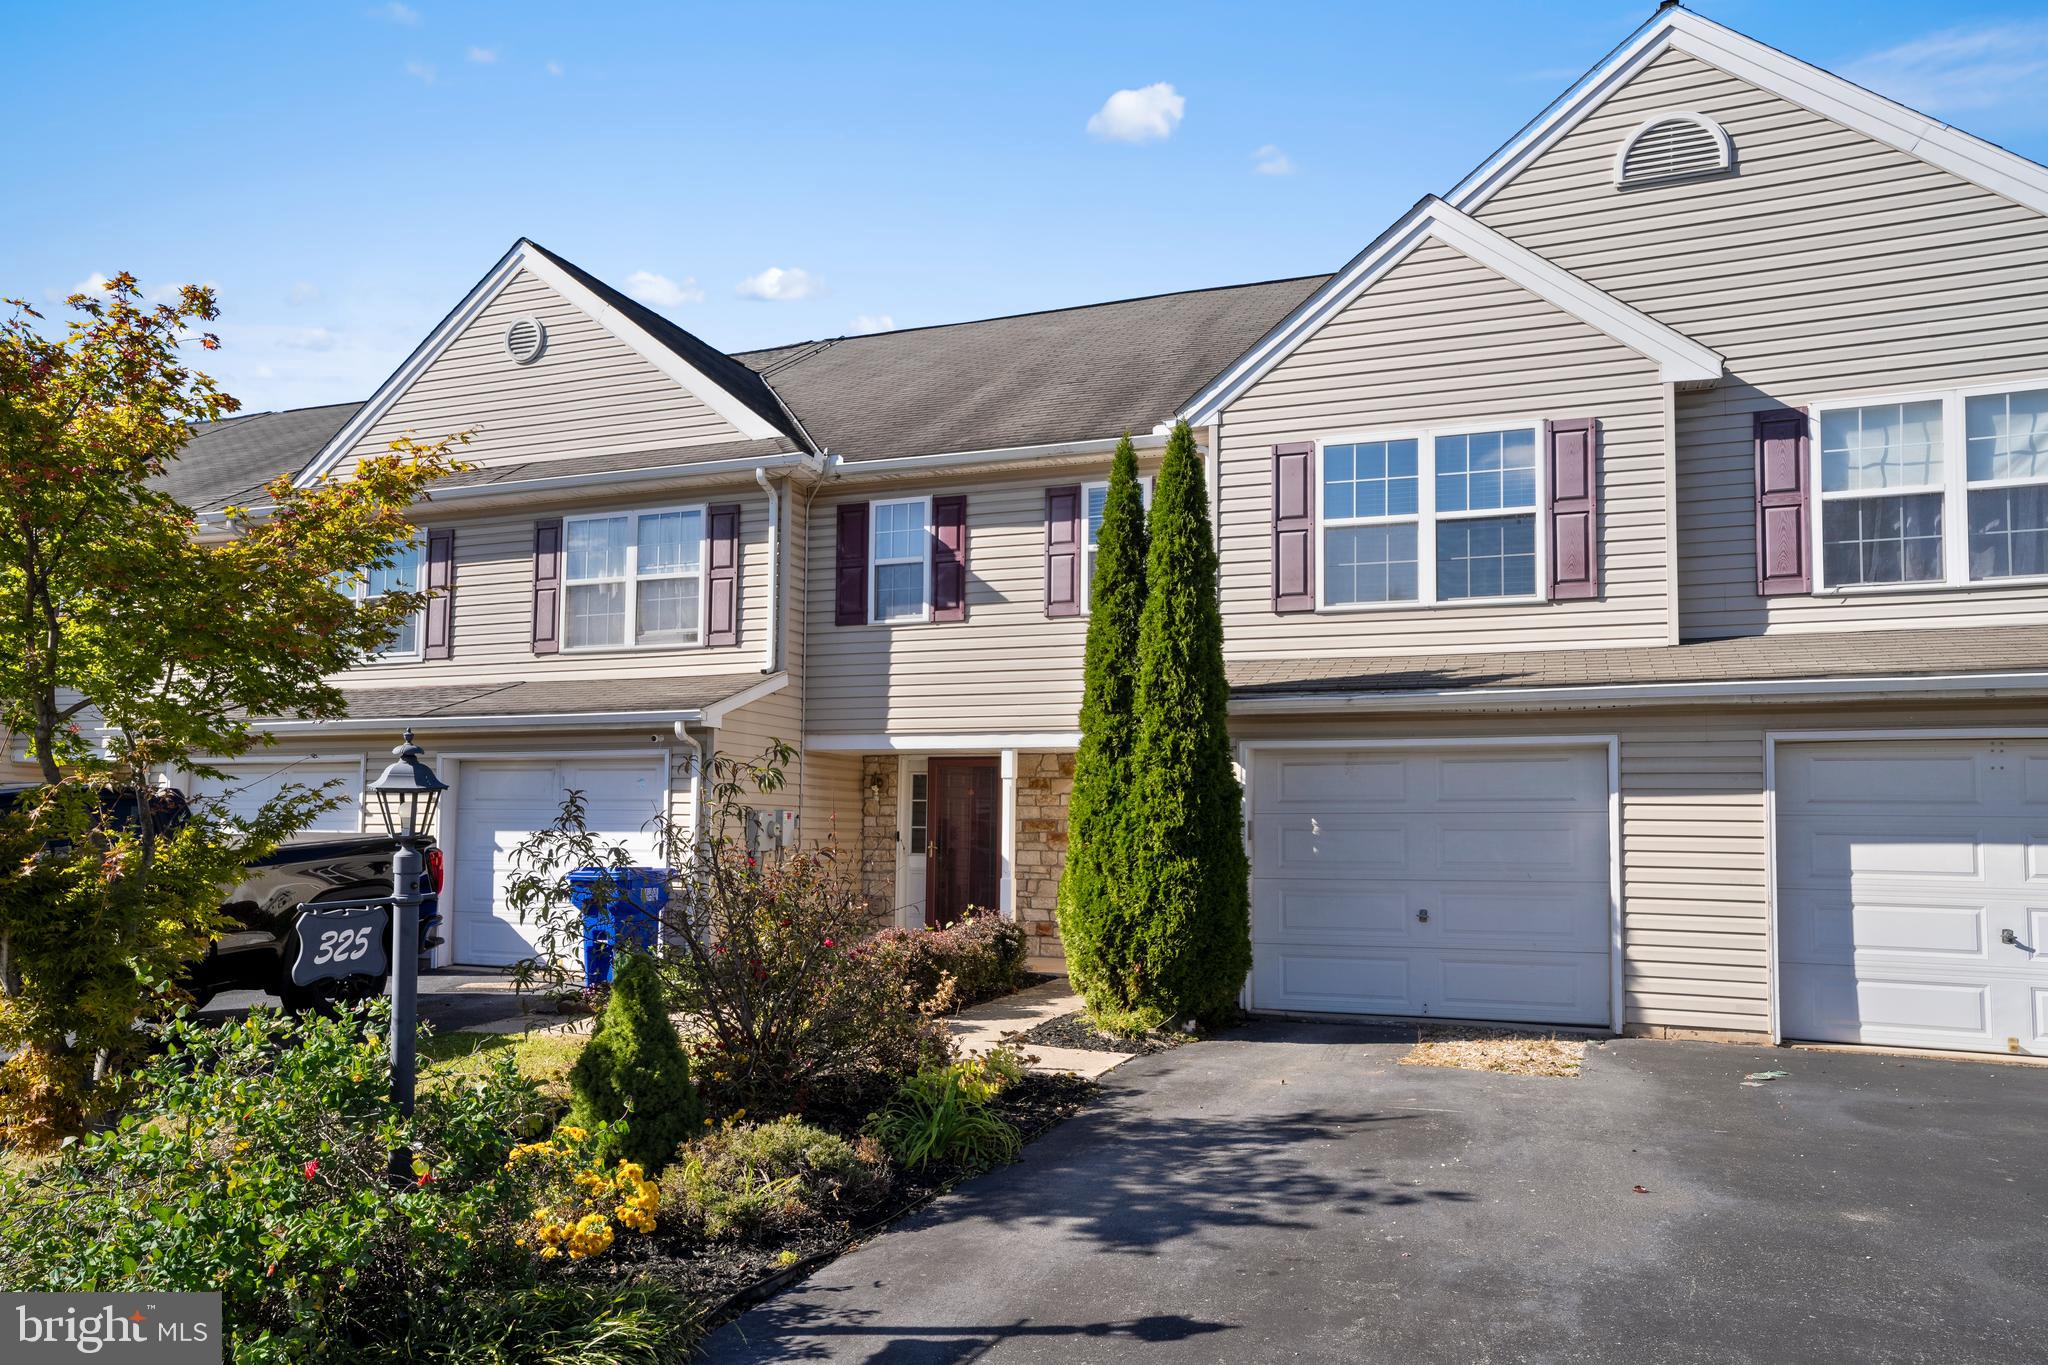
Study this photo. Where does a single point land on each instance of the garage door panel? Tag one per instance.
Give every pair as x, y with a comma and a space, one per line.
1321, 912
1317, 781
1512, 778
1899, 866
1534, 987
1338, 846
1545, 919
1520, 848
248, 786
523, 783
1334, 982
1874, 777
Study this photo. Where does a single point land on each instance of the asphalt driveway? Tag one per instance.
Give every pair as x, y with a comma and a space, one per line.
1288, 1193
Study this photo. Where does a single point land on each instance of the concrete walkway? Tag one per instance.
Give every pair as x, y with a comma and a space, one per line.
982, 1027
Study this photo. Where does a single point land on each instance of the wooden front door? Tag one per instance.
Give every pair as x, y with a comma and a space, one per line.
965, 808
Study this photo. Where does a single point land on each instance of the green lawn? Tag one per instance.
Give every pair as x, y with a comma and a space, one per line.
543, 1057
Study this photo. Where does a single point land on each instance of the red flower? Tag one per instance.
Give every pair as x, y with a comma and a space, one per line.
312, 1168
426, 1177
828, 943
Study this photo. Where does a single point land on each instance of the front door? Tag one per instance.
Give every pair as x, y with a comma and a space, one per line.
965, 808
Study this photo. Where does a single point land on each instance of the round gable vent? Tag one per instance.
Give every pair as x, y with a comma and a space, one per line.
525, 339
1673, 146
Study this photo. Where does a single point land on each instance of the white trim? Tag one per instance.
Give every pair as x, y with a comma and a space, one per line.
715, 712
1658, 120
1610, 744
1718, 691
629, 582
1823, 92
1006, 867
450, 811
1679, 358
1772, 739
954, 743
529, 721
841, 467
1954, 487
524, 256
1428, 518
923, 502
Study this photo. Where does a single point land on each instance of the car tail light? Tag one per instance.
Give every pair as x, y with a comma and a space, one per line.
434, 869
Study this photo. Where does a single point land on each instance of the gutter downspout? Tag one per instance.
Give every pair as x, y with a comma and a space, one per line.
699, 755
770, 643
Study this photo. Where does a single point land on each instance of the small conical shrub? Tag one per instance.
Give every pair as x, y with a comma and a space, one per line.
635, 1069
1094, 869
1188, 904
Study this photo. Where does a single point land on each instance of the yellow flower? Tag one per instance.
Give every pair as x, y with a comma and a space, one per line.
573, 1133
548, 1253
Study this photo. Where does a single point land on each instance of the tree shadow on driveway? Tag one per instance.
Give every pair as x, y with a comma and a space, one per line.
795, 1331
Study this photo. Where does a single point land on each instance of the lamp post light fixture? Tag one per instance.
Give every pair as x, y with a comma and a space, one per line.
407, 794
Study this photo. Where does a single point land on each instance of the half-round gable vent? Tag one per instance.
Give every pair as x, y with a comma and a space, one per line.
525, 339
1673, 146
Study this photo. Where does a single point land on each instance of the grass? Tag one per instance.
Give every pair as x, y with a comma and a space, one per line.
542, 1057
1509, 1052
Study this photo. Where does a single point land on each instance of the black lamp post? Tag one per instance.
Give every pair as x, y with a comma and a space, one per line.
406, 795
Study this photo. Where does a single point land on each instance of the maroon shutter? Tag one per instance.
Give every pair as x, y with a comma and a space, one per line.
949, 558
1294, 527
851, 564
440, 634
1571, 453
547, 585
1783, 560
1063, 550
722, 575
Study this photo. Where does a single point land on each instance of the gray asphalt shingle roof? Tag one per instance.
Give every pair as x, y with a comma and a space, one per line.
1757, 658
470, 701
229, 461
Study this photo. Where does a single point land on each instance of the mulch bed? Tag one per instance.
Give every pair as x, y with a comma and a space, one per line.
731, 1277
1074, 1031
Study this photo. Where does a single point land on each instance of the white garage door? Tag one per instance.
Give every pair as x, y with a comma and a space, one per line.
1902, 868
1466, 883
249, 784
501, 802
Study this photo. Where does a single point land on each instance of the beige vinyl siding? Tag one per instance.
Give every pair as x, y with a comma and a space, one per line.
1442, 340
1694, 833
588, 394
1830, 265
493, 614
1006, 667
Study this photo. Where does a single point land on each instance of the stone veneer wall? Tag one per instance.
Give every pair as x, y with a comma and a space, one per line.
1044, 782
878, 836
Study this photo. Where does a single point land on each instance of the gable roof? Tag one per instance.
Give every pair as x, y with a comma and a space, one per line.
230, 460
1679, 358
1063, 375
723, 387
1674, 27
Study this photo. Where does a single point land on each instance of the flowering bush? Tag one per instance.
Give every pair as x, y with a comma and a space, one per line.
255, 1165
963, 964
582, 1193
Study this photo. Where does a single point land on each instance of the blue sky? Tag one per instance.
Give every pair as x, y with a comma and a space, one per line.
344, 172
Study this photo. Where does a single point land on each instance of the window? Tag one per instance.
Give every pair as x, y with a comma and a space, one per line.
900, 545
402, 574
1434, 517
920, 838
1893, 473
1094, 498
633, 579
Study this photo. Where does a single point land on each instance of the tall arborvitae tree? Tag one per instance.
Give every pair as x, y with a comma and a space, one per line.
1188, 901
1095, 866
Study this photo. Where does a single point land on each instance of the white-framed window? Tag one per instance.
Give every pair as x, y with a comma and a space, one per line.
1415, 518
900, 559
1941, 489
633, 580
402, 574
1094, 499
920, 809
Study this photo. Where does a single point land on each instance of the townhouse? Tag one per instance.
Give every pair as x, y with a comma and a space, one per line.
1634, 571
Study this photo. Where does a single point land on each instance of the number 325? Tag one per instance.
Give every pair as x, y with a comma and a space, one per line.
342, 945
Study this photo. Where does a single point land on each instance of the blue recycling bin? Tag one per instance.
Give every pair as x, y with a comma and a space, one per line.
633, 916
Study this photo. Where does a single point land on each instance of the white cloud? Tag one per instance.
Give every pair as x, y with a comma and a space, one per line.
304, 291
1270, 160
661, 291
1144, 115
554, 68
398, 14
782, 286
483, 56
94, 283
308, 339
2001, 66
423, 72
871, 322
